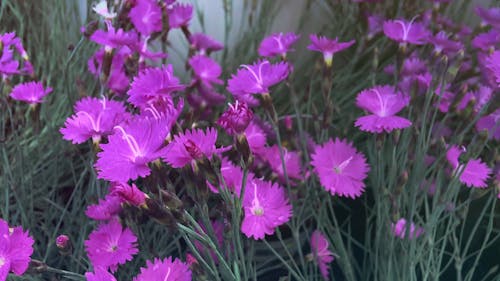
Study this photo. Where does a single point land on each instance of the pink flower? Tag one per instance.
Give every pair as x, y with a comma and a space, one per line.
404, 32
111, 245
94, 118
113, 38
486, 41
206, 69
266, 208
30, 92
399, 230
383, 102
16, 248
106, 209
99, 274
190, 146
146, 16
491, 123
233, 177
9, 64
236, 118
474, 173
256, 138
328, 46
204, 44
480, 98
489, 16
62, 241
493, 64
375, 23
128, 193
153, 84
257, 78
292, 162
277, 44
321, 254
340, 168
444, 45
118, 81
179, 15
164, 270
130, 148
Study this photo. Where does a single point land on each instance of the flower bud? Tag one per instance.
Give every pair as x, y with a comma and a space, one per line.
236, 118
64, 245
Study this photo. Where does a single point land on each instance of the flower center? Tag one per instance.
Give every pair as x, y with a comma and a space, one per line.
256, 209
338, 169
132, 143
2, 261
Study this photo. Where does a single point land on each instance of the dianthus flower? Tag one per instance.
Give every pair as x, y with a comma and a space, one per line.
277, 44
106, 209
117, 79
153, 84
442, 44
491, 123
474, 173
321, 254
204, 44
479, 98
130, 148
99, 274
206, 69
328, 46
111, 245
375, 24
94, 118
164, 270
489, 16
256, 138
340, 168
266, 207
236, 118
113, 38
146, 16
399, 230
233, 177
128, 193
30, 92
404, 32
257, 78
291, 159
179, 15
487, 41
190, 146
383, 102
8, 64
16, 247
493, 64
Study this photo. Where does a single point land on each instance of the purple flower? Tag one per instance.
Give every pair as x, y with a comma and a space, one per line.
340, 168
266, 207
404, 32
272, 156
444, 45
146, 16
257, 78
256, 138
118, 80
111, 245
277, 44
383, 102
153, 84
99, 274
487, 41
493, 64
491, 123
128, 193
399, 230
489, 16
16, 248
233, 177
164, 270
190, 146
113, 38
206, 69
9, 65
106, 209
179, 15
236, 118
30, 92
328, 46
62, 241
474, 173
130, 148
480, 98
321, 254
93, 118
375, 25
204, 44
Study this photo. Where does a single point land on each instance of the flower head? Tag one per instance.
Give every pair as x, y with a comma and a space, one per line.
164, 270
493, 64
179, 15
190, 146
130, 148
106, 209
442, 44
487, 41
403, 31
16, 248
489, 16
204, 43
257, 78
111, 245
340, 168
99, 274
491, 123
206, 69
30, 92
277, 44
128, 193
474, 173
113, 38
321, 254
291, 159
153, 84
236, 118
9, 65
383, 102
399, 229
328, 46
266, 208
94, 118
62, 241
146, 16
